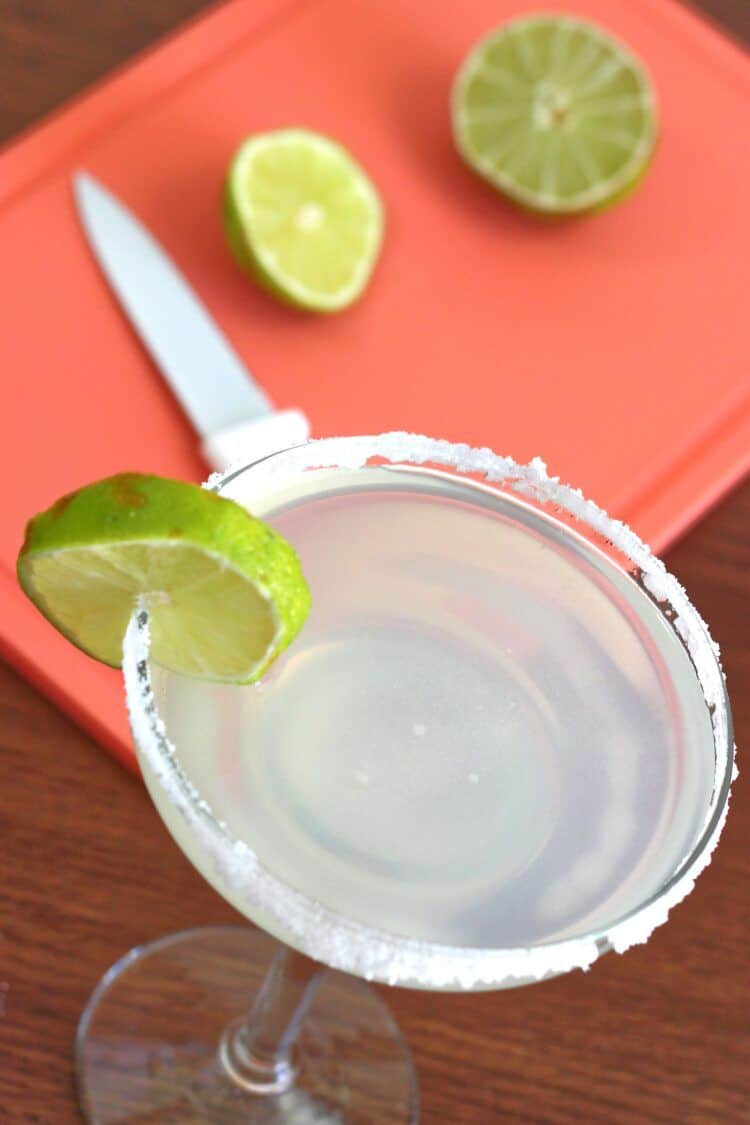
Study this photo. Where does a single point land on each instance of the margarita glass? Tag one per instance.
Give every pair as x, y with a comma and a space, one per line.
500, 747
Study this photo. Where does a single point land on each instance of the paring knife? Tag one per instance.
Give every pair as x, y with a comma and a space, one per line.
232, 414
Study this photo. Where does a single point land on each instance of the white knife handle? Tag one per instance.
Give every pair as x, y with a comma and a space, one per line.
249, 441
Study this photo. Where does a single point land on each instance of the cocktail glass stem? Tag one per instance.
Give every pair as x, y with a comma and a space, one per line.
257, 1050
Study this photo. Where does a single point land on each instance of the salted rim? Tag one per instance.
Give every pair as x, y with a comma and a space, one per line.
376, 954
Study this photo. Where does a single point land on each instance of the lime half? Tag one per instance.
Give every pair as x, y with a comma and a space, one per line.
225, 594
555, 113
303, 217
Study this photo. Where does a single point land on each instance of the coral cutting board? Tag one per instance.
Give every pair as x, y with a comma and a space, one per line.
616, 347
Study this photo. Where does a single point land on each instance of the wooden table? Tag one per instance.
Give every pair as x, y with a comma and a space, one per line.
660, 1035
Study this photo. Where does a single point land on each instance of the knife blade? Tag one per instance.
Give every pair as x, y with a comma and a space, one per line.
230, 411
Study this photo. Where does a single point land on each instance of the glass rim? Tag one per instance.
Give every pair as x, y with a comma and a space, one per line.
331, 937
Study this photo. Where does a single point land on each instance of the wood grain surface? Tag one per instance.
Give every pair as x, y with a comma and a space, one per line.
87, 870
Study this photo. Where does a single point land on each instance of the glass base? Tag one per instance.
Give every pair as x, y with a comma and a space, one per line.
149, 1044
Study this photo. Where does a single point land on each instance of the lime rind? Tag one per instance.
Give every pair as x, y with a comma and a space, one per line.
303, 217
515, 102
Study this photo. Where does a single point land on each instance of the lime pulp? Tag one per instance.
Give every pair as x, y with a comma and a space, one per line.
555, 113
303, 217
